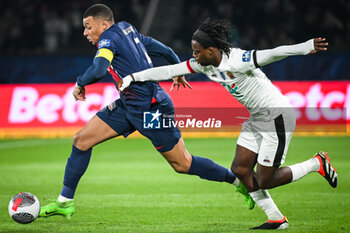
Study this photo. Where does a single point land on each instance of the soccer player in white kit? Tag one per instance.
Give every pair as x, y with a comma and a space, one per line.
265, 136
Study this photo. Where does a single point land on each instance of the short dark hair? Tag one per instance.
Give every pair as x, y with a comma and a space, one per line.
99, 11
219, 31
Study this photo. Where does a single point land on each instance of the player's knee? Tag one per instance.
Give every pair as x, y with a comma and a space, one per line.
181, 167
79, 142
240, 172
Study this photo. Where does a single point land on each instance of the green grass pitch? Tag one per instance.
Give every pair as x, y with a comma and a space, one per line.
129, 187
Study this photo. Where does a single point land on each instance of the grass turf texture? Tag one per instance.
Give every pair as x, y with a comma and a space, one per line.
129, 187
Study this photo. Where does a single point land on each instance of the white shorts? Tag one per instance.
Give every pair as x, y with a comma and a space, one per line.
269, 139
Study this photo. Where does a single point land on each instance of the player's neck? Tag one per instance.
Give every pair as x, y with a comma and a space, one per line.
217, 59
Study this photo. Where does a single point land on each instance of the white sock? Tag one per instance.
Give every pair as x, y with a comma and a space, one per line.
63, 199
299, 170
236, 182
263, 199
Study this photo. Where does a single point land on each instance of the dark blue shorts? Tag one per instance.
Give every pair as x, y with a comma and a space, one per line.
158, 128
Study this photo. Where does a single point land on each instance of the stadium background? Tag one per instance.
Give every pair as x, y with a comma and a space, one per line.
43, 50
42, 43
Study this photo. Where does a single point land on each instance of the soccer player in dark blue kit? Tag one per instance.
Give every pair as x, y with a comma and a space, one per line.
122, 51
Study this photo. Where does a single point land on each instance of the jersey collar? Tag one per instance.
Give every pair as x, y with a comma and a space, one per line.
223, 66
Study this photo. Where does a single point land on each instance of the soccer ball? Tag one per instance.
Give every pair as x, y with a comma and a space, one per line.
24, 208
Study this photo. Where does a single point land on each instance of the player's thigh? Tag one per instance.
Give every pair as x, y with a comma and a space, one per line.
243, 167
94, 132
178, 157
246, 150
110, 122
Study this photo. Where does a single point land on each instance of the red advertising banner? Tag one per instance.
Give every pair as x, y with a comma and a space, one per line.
52, 106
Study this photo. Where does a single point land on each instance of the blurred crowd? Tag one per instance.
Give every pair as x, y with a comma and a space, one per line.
265, 24
30, 27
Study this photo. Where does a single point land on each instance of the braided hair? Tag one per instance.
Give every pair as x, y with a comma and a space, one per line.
219, 32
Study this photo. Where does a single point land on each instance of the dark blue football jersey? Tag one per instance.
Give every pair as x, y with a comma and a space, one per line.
128, 47
130, 56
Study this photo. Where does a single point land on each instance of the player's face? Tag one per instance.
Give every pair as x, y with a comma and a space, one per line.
93, 29
202, 55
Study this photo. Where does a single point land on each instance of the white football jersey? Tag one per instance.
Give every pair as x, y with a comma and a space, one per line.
248, 84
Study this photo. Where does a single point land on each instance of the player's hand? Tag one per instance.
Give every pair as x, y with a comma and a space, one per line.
79, 93
124, 83
320, 44
177, 81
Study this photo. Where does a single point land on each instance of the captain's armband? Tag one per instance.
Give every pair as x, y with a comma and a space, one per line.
105, 53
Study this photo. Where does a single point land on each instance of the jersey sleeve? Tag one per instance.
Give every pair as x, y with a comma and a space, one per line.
242, 60
105, 53
107, 46
267, 56
94, 73
104, 56
161, 73
193, 66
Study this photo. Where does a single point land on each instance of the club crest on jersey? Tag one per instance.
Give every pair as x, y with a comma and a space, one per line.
111, 106
104, 43
246, 56
230, 74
